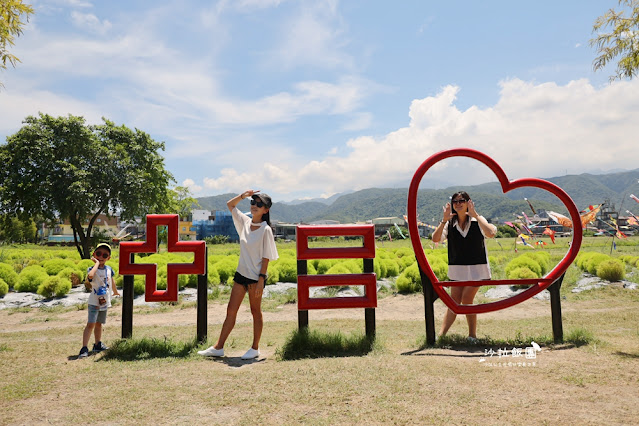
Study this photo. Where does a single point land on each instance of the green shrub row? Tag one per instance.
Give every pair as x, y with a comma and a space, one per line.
602, 265
531, 264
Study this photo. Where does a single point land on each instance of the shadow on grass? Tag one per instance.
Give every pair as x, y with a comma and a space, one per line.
576, 338
236, 361
627, 355
303, 344
147, 348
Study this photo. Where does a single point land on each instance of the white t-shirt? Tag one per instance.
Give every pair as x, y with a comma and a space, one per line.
101, 287
254, 245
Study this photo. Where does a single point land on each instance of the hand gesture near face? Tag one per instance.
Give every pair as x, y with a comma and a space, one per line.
249, 193
471, 209
448, 212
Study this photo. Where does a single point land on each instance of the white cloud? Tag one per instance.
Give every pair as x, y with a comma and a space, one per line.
315, 37
90, 22
18, 104
190, 184
534, 130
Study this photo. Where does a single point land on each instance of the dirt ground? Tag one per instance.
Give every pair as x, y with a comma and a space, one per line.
400, 308
402, 384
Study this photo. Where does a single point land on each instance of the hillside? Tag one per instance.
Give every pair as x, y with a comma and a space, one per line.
584, 189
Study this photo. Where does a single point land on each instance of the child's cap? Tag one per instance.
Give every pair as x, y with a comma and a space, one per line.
105, 245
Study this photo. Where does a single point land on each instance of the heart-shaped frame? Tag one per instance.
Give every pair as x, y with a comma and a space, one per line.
506, 185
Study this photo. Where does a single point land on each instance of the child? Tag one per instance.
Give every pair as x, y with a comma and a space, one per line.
101, 283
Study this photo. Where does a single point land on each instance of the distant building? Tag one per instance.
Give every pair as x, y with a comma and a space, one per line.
217, 223
284, 231
383, 224
62, 232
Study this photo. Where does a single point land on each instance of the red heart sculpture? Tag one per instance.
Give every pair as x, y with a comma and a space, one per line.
538, 284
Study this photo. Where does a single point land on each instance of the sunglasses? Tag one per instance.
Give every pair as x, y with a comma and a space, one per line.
459, 201
101, 254
255, 202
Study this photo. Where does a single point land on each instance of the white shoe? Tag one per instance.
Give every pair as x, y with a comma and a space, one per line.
212, 352
251, 353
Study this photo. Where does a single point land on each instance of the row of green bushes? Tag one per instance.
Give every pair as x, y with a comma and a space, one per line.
603, 266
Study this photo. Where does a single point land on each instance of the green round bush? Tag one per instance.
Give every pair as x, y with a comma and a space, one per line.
409, 281
54, 266
286, 269
74, 275
339, 268
542, 258
324, 265
138, 285
439, 267
213, 277
8, 274
392, 268
4, 288
521, 272
273, 275
523, 262
611, 270
54, 286
30, 279
593, 262
226, 268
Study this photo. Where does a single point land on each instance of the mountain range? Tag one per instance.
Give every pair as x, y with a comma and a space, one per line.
585, 189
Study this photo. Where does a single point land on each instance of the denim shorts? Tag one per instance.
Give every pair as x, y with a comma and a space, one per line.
96, 315
241, 279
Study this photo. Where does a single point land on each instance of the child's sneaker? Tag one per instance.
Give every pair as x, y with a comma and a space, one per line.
84, 352
99, 347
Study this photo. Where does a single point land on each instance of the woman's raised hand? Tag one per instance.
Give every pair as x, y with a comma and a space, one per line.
448, 212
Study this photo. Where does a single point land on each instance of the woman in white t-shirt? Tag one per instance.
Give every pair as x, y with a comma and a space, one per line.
257, 248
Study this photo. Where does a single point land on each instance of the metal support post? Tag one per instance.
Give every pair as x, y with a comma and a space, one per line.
555, 308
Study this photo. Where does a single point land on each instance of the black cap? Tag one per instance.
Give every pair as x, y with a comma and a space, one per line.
264, 198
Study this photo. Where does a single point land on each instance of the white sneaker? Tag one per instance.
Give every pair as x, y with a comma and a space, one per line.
251, 353
212, 352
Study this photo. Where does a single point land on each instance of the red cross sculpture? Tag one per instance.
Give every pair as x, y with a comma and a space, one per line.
198, 248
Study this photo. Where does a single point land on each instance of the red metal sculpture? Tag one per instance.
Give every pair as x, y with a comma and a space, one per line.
537, 285
198, 248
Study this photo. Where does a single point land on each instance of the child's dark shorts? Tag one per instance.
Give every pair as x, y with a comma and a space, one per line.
241, 279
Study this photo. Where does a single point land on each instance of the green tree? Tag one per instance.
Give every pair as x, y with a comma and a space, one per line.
12, 13
62, 167
181, 201
622, 41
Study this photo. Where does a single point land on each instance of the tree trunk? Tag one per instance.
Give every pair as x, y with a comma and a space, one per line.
83, 245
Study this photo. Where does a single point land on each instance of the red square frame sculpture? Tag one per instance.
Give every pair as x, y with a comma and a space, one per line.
368, 280
149, 270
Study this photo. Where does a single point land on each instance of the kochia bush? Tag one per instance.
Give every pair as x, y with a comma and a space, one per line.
30, 278
8, 274
409, 281
523, 262
611, 270
54, 266
4, 288
54, 286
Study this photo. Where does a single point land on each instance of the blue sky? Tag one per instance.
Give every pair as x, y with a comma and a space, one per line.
302, 99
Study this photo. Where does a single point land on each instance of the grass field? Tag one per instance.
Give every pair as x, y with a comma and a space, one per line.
159, 378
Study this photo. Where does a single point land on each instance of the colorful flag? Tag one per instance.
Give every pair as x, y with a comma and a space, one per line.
560, 219
550, 233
